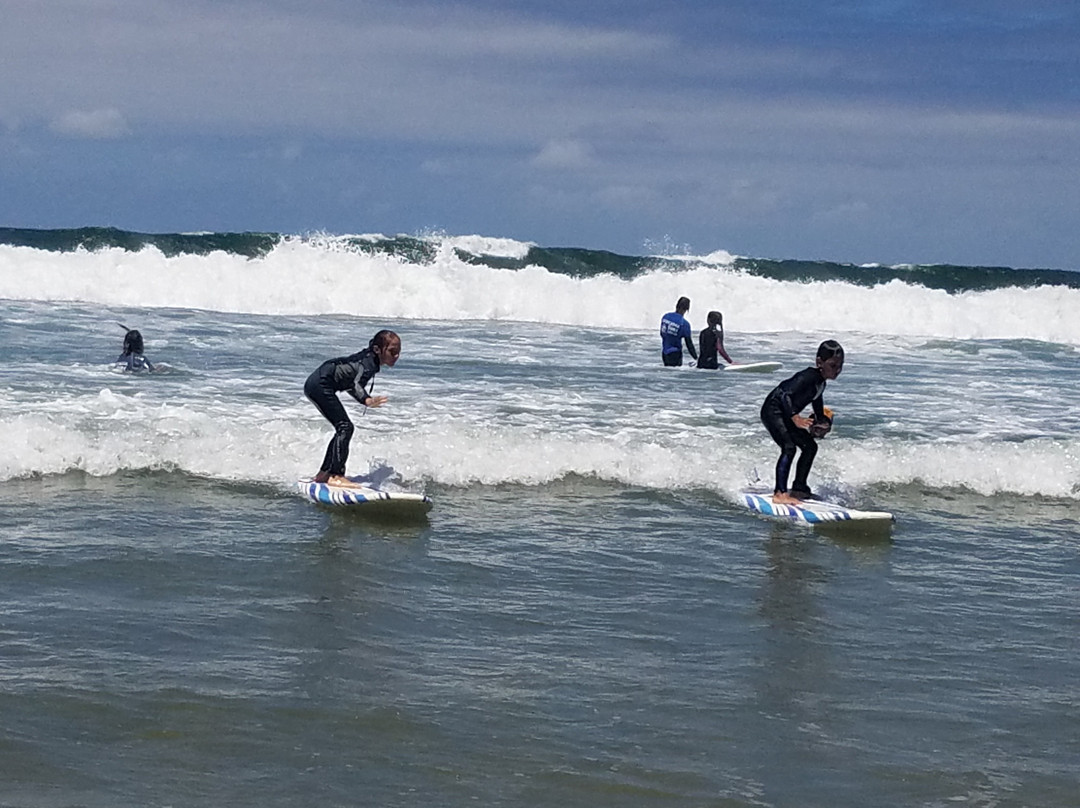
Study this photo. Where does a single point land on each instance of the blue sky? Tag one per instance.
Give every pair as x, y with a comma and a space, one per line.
850, 130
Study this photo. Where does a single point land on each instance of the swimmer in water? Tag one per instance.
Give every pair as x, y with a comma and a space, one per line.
131, 356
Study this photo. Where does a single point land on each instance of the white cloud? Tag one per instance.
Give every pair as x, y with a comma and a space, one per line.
564, 154
690, 128
98, 124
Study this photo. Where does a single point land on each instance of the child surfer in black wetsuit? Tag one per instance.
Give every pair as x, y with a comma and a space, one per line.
791, 431
711, 343
351, 374
131, 357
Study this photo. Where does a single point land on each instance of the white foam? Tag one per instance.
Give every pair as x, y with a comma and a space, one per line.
106, 432
485, 245
304, 276
1040, 466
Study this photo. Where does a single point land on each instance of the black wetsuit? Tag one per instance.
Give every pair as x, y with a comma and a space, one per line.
708, 340
789, 398
346, 373
134, 362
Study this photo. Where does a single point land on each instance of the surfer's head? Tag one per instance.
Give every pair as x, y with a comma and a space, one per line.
830, 358
715, 318
387, 346
133, 342
683, 305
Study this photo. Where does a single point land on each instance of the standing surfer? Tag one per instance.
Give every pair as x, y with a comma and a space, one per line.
350, 374
790, 430
674, 329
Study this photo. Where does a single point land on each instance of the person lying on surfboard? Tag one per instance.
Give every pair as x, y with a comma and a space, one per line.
711, 343
790, 430
131, 356
350, 374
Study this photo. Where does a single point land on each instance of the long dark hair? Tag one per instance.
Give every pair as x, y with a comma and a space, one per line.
133, 341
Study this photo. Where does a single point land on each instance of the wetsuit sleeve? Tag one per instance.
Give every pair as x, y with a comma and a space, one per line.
720, 347
798, 391
358, 392
368, 366
784, 398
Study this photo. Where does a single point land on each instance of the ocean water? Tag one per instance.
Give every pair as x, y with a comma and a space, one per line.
586, 617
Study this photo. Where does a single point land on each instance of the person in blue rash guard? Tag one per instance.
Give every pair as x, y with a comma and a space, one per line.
131, 356
350, 374
790, 430
674, 329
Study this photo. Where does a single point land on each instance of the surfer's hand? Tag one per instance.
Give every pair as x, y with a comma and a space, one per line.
801, 422
375, 401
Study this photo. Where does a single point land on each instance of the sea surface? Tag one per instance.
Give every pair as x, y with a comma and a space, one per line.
587, 617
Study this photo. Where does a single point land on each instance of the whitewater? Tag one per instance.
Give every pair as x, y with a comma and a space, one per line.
311, 276
525, 376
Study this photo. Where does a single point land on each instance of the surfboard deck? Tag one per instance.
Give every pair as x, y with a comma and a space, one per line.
360, 495
814, 511
753, 367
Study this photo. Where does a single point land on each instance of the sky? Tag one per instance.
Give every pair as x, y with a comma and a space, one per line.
861, 131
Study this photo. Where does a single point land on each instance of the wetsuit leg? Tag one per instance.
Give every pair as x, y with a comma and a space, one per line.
808, 450
673, 359
789, 438
324, 397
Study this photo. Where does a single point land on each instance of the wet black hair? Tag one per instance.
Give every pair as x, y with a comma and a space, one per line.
830, 348
683, 304
715, 318
383, 338
133, 341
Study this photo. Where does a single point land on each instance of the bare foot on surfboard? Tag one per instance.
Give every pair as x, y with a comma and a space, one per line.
784, 498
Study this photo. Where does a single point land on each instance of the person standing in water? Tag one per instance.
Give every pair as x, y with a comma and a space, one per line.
711, 343
131, 357
350, 374
792, 431
674, 329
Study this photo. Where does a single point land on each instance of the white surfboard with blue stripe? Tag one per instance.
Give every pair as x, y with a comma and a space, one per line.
361, 495
812, 511
752, 367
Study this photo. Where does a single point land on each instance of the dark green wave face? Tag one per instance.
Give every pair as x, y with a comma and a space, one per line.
574, 261
947, 277
252, 245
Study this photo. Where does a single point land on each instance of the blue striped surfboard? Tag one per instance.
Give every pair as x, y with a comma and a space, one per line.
360, 495
812, 511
